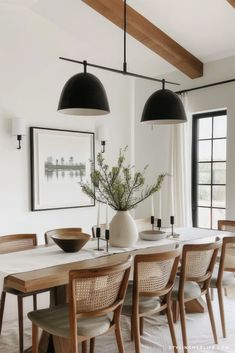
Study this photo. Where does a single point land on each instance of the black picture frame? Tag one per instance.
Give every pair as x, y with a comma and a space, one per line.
60, 160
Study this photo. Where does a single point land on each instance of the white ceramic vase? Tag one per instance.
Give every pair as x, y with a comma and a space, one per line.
123, 230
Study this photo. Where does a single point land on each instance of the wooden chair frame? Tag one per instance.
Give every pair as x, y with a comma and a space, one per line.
219, 286
60, 231
164, 294
12, 243
204, 282
74, 314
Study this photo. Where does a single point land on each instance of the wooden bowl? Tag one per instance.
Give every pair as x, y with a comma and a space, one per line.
71, 242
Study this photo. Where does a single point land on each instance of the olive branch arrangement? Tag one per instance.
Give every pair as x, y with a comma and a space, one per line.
116, 185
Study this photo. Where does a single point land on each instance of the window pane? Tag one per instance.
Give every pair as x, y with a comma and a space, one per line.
218, 196
219, 173
204, 173
204, 195
204, 217
219, 150
220, 126
205, 128
204, 151
217, 214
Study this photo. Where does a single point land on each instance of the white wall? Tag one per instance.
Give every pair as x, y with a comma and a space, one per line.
155, 144
31, 81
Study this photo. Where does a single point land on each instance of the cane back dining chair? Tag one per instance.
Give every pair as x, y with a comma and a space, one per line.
96, 297
223, 277
197, 266
150, 292
8, 244
60, 231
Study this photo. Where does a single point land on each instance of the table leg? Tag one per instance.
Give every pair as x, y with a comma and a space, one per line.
195, 306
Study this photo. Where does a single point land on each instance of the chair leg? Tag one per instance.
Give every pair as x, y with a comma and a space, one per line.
183, 326
132, 325
34, 338
175, 310
84, 346
34, 301
92, 345
221, 308
225, 292
141, 325
20, 322
2, 305
136, 332
210, 310
171, 326
119, 339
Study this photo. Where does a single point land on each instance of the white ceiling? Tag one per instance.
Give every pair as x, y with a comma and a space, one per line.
206, 28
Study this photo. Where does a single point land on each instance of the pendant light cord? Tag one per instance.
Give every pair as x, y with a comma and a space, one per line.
124, 26
85, 66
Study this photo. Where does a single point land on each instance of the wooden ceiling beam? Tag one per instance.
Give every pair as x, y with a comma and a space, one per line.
232, 2
148, 34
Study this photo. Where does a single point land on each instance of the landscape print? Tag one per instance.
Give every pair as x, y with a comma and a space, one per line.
56, 168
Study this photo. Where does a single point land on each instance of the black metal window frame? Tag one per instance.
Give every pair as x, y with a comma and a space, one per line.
195, 162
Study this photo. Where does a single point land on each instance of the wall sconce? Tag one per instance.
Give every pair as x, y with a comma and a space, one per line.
18, 129
103, 137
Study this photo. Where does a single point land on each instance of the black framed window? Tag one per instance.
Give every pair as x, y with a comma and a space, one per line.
209, 138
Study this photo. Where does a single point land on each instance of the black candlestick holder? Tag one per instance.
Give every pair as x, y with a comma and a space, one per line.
159, 223
99, 238
172, 222
152, 222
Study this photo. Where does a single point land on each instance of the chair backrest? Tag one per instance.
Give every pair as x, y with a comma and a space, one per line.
60, 231
97, 291
227, 257
17, 242
154, 274
226, 225
197, 263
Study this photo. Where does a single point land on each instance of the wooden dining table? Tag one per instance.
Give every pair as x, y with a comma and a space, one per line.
56, 277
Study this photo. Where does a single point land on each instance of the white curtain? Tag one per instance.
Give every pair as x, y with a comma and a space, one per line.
180, 170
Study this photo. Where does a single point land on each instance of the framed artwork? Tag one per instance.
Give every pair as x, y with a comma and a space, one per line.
60, 161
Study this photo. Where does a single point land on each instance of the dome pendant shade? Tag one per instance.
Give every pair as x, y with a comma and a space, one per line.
163, 107
83, 94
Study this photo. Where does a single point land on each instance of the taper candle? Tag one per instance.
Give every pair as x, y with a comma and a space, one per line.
107, 217
152, 206
160, 203
98, 215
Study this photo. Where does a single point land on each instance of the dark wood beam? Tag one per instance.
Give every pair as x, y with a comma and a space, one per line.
232, 2
149, 35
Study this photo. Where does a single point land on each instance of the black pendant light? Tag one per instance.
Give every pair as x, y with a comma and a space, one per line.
83, 94
163, 107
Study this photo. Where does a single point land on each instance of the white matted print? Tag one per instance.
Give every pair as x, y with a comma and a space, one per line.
60, 160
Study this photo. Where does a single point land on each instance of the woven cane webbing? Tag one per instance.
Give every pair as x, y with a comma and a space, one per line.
96, 293
197, 263
229, 260
154, 275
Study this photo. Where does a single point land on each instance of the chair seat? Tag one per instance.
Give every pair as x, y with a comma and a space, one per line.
55, 321
191, 290
228, 279
145, 304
